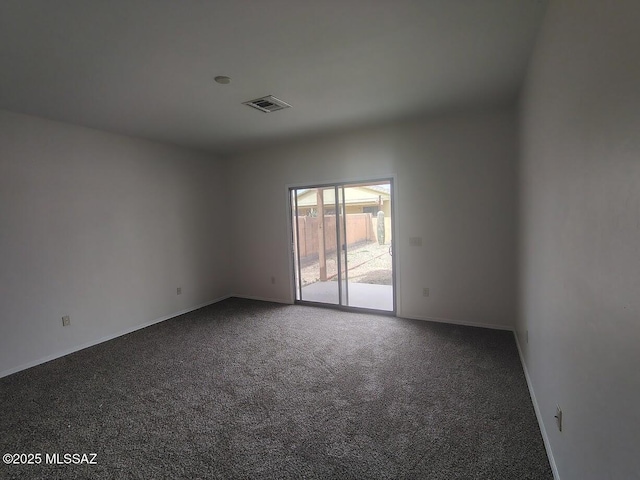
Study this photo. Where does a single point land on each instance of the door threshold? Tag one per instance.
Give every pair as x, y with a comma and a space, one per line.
345, 308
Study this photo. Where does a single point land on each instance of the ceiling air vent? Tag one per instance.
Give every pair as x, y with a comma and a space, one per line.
267, 104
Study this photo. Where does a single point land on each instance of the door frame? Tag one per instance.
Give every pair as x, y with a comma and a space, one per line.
392, 180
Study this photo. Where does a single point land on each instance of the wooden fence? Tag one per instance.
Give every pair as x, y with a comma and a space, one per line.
360, 228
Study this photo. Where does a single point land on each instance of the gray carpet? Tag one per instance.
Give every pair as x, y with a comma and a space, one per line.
245, 389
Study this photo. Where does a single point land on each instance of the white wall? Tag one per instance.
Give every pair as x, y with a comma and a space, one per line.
102, 228
456, 190
580, 235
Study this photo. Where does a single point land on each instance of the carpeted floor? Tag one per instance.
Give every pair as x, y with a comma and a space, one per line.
245, 389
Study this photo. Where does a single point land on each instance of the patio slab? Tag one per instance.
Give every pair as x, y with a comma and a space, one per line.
362, 295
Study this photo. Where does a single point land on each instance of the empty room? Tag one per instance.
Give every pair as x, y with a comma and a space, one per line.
353, 239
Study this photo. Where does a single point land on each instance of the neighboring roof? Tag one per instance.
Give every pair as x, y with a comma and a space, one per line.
386, 188
356, 195
383, 188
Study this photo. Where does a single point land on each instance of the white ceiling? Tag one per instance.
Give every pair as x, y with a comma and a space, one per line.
146, 67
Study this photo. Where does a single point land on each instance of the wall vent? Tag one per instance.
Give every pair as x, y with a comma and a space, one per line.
267, 104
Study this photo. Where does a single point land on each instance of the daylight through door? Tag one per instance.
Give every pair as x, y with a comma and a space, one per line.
343, 244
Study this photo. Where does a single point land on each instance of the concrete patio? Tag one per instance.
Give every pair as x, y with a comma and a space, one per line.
362, 295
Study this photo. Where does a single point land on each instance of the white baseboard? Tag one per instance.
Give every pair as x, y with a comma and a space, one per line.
263, 299
458, 322
543, 430
412, 317
106, 338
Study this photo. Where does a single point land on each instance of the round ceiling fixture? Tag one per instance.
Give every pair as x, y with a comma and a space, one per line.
222, 80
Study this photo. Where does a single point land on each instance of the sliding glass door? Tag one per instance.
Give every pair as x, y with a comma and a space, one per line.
343, 245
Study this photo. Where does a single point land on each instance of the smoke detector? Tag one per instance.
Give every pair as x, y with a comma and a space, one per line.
267, 104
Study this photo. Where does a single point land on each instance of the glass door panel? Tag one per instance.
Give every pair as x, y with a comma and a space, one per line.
315, 236
367, 221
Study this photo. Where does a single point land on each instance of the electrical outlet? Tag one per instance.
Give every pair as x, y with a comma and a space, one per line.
66, 321
558, 417
179, 291
425, 292
273, 280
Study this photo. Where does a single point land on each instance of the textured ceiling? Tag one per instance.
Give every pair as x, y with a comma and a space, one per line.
146, 67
